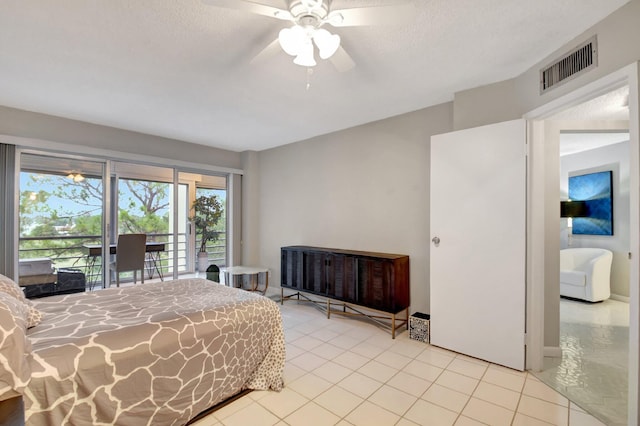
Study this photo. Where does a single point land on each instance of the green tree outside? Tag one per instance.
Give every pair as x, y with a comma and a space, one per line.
58, 215
57, 207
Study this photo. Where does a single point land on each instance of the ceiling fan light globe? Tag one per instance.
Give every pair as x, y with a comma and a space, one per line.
327, 43
292, 40
305, 58
305, 61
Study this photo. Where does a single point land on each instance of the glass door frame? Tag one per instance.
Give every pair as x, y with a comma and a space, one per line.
109, 207
52, 166
195, 180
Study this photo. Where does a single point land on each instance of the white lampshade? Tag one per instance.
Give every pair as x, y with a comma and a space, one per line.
305, 57
76, 177
327, 43
292, 39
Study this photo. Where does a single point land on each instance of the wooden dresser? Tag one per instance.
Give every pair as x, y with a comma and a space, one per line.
350, 279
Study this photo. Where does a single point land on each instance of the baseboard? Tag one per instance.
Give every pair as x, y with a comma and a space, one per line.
552, 351
620, 298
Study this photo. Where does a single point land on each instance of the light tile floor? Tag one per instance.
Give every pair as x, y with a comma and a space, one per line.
345, 371
593, 370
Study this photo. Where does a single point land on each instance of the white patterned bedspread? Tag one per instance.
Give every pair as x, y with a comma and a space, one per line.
151, 354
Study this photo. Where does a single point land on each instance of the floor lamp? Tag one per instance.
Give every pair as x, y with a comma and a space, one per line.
571, 209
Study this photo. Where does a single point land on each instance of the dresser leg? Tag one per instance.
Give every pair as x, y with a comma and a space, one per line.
407, 318
393, 326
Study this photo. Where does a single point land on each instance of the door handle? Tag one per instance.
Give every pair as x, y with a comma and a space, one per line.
436, 240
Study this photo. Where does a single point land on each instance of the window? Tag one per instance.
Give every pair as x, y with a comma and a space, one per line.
217, 248
64, 209
60, 208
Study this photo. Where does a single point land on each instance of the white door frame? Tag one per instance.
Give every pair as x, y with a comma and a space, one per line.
628, 75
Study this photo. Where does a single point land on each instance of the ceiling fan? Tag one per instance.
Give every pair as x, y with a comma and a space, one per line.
309, 17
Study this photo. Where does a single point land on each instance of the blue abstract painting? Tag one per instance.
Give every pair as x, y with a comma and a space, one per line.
596, 190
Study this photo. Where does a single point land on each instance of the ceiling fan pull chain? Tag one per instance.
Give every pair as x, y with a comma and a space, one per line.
309, 72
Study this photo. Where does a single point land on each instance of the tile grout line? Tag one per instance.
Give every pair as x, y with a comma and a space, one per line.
413, 356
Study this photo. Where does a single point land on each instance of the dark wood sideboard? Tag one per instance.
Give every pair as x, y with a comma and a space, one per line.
351, 279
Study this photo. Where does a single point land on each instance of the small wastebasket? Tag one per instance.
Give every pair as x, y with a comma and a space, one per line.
419, 327
213, 273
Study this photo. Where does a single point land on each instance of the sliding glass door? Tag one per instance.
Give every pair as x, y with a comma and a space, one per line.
61, 218
210, 191
72, 211
145, 203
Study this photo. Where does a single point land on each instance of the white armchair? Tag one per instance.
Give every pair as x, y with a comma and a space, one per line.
585, 273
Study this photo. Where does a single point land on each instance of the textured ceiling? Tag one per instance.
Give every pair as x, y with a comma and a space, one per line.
610, 106
573, 143
181, 69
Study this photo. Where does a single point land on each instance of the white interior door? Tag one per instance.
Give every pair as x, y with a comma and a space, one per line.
478, 230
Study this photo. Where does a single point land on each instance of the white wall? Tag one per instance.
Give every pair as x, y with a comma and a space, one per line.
365, 188
250, 235
511, 99
327, 190
614, 158
26, 124
316, 191
87, 136
617, 46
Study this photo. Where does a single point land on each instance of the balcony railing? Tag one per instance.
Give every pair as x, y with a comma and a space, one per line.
69, 251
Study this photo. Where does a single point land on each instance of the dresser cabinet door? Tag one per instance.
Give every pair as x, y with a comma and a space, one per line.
375, 283
341, 277
291, 268
315, 277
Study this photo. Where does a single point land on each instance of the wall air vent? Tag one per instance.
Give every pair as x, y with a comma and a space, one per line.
571, 65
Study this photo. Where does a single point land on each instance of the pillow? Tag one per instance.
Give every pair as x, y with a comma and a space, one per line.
8, 286
15, 346
34, 316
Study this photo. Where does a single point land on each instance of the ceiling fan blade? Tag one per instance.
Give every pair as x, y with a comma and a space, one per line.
342, 60
249, 6
374, 15
268, 52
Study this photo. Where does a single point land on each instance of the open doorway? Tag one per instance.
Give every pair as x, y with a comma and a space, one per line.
591, 367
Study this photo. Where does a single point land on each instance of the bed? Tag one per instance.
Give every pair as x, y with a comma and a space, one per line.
155, 353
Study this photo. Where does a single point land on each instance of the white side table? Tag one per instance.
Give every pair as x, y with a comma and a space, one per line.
234, 277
